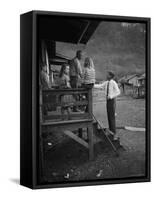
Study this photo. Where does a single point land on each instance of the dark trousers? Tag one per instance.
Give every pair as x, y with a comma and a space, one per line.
111, 106
74, 81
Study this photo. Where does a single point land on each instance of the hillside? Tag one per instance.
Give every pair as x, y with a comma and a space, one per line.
114, 46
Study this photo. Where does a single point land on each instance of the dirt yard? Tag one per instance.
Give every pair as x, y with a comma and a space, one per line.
68, 161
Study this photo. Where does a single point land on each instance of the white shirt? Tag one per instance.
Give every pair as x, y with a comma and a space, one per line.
113, 90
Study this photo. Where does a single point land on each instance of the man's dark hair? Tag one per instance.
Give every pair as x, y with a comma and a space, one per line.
112, 75
78, 52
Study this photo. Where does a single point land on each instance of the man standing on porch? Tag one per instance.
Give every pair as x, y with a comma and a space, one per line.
76, 72
111, 92
76, 69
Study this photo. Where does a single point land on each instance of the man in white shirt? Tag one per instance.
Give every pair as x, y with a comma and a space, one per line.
111, 91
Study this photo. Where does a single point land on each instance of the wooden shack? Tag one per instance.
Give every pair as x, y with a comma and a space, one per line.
76, 31
133, 85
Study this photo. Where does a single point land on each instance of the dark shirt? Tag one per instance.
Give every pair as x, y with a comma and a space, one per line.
75, 68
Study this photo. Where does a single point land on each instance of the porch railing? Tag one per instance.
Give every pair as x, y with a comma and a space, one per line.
51, 104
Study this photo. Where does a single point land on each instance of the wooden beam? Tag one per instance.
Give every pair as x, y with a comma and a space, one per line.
55, 104
76, 138
90, 101
72, 116
68, 122
91, 142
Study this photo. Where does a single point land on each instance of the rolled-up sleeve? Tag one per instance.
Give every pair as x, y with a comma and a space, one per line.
100, 86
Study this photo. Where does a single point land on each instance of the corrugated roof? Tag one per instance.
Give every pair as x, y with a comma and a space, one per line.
128, 77
131, 76
141, 77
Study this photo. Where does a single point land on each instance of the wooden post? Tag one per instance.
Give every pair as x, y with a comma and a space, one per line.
40, 107
90, 128
90, 101
80, 132
91, 143
41, 149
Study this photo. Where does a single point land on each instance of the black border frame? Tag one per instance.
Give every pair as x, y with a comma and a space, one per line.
28, 171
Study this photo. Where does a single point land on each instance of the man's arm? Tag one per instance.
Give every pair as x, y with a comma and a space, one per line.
100, 86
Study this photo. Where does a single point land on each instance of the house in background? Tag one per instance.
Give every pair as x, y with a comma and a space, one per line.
141, 80
127, 83
130, 79
142, 83
133, 85
133, 79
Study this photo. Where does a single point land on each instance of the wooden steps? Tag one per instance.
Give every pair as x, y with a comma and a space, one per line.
106, 136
